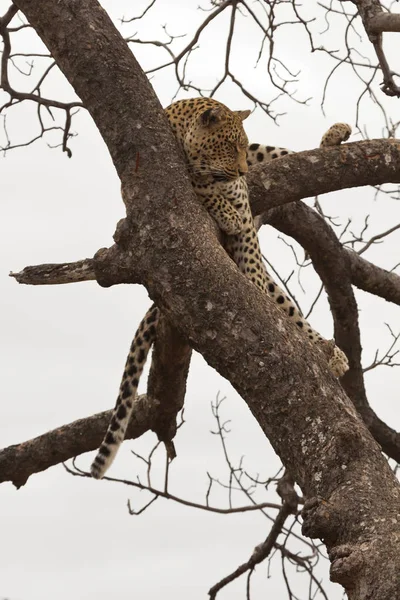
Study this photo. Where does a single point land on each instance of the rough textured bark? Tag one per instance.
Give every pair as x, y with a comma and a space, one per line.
285, 381
167, 379
54, 274
384, 22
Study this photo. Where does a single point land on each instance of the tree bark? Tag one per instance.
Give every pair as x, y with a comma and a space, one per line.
169, 245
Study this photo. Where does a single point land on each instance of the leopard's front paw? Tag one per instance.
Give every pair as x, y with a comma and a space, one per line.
232, 225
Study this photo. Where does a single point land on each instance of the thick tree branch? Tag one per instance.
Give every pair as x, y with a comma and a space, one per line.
167, 379
334, 168
384, 22
373, 279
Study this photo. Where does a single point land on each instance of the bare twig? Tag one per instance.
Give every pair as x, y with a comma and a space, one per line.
167, 496
17, 96
262, 551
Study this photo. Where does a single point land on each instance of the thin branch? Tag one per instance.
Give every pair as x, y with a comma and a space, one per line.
167, 496
379, 236
262, 551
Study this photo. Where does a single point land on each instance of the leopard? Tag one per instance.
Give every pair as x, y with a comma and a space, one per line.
218, 156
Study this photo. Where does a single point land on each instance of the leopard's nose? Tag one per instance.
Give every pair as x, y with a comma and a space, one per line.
243, 171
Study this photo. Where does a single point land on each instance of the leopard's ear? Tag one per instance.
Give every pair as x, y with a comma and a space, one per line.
212, 116
242, 114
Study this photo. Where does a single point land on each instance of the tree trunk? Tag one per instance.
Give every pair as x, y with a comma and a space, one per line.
170, 246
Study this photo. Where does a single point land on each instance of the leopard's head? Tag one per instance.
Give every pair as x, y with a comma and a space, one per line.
216, 143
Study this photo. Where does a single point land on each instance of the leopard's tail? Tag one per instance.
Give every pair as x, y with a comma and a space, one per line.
140, 347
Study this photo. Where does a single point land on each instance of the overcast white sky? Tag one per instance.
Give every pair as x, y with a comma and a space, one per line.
63, 348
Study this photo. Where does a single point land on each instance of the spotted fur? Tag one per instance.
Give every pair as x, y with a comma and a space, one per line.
119, 422
218, 155
338, 133
258, 153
